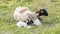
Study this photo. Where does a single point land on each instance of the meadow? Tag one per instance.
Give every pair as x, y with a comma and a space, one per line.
50, 24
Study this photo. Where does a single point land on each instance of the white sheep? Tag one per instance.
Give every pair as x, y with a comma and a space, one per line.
21, 14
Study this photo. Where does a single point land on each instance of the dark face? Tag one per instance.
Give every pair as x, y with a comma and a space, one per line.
43, 12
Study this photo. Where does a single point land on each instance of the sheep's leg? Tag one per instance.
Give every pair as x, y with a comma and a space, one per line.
29, 22
25, 25
22, 24
37, 22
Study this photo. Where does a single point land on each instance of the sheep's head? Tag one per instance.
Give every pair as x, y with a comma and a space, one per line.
42, 12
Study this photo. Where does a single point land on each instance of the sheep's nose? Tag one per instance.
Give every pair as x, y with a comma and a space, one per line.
47, 14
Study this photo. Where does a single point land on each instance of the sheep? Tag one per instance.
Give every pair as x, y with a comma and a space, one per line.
21, 13
25, 15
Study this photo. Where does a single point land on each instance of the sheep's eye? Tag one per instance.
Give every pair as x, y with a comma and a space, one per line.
41, 11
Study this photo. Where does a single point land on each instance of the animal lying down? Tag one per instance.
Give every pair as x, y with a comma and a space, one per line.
34, 20
25, 17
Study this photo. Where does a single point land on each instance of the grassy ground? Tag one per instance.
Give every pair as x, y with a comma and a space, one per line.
51, 24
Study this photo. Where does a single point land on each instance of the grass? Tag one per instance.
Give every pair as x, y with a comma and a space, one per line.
51, 24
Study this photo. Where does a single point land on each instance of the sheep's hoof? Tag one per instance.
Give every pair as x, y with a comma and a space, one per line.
29, 22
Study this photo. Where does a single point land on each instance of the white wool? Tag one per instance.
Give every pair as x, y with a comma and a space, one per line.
22, 17
37, 22
22, 24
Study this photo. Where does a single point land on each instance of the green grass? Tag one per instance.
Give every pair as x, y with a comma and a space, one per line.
51, 24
